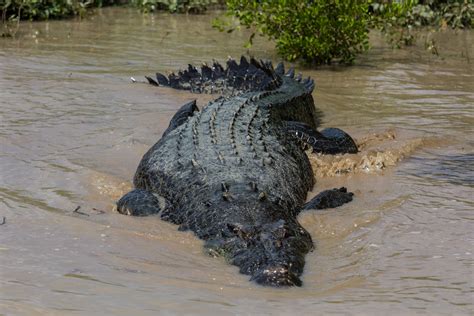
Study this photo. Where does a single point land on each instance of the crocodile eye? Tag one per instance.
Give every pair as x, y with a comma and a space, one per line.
311, 140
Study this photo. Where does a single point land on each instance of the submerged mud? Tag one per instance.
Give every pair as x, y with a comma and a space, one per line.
73, 129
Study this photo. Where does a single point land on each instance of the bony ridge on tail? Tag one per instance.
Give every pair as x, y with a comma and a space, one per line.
235, 172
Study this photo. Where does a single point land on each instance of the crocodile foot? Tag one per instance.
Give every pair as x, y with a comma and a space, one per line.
140, 202
329, 199
330, 141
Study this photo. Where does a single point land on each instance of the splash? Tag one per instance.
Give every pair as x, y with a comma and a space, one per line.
105, 189
377, 151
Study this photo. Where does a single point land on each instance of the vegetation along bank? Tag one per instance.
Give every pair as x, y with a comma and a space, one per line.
314, 32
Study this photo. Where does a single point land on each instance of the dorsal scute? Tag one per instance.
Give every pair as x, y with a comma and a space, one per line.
236, 77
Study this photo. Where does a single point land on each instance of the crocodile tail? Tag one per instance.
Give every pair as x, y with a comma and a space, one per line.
243, 76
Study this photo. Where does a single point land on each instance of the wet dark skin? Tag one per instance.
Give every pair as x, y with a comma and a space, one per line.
236, 173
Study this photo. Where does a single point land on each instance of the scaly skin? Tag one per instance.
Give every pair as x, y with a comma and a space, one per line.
234, 176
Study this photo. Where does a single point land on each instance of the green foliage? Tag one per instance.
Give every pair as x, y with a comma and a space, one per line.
397, 20
46, 9
13, 10
188, 6
317, 32
457, 14
414, 13
322, 31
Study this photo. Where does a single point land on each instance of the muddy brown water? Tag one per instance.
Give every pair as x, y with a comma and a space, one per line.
73, 129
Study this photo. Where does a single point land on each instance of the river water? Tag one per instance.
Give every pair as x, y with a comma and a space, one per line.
73, 129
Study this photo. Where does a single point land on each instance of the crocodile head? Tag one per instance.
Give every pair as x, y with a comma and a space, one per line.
272, 253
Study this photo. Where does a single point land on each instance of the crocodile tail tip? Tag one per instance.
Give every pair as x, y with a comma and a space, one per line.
246, 74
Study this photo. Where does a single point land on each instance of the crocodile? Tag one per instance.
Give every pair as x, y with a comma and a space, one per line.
236, 172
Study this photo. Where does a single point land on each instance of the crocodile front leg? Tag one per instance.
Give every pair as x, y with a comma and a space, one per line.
139, 202
329, 199
329, 141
